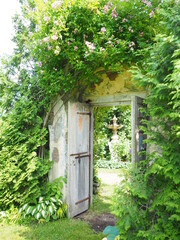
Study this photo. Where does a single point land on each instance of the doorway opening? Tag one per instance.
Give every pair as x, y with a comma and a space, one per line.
107, 152
110, 160
80, 145
111, 149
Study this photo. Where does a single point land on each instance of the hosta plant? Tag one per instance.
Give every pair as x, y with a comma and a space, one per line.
45, 210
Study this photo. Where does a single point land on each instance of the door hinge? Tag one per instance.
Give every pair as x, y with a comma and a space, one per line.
84, 113
83, 200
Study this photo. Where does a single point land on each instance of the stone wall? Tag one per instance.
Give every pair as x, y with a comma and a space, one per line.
113, 84
58, 141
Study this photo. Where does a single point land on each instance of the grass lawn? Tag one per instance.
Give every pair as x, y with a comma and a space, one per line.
68, 229
103, 201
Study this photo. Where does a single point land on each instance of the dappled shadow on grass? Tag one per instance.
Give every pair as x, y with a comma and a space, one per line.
102, 202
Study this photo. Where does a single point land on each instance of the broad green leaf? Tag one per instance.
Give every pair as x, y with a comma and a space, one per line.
29, 210
43, 205
50, 208
43, 212
40, 199
25, 206
39, 207
38, 215
53, 199
33, 211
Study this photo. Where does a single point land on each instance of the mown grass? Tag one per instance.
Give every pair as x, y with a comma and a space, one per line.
67, 229
102, 202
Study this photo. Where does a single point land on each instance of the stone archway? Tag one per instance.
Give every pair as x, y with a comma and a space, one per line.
71, 135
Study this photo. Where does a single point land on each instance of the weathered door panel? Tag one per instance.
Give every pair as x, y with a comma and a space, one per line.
138, 137
79, 158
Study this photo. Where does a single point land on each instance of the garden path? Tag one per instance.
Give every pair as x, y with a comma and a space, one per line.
110, 178
99, 216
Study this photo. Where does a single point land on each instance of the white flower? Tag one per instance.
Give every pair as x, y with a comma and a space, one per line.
57, 50
131, 45
46, 19
103, 30
40, 64
49, 47
130, 29
151, 14
114, 14
101, 49
90, 46
149, 4
106, 9
56, 4
30, 34
54, 37
75, 48
46, 39
124, 20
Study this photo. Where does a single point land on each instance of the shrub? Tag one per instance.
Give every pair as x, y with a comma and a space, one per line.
121, 148
147, 203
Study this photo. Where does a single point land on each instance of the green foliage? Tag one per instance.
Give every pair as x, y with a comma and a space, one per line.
45, 210
60, 45
148, 204
102, 135
121, 148
23, 172
69, 41
112, 165
10, 216
48, 207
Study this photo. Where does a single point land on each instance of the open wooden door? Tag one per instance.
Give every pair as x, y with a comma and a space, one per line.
137, 135
80, 164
